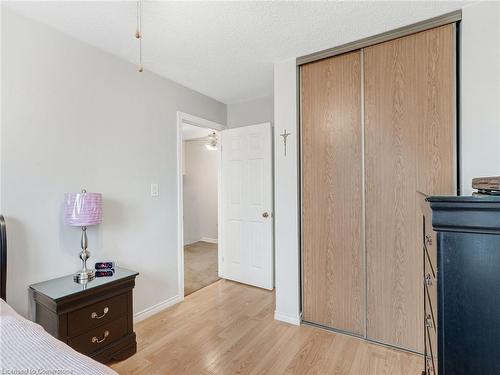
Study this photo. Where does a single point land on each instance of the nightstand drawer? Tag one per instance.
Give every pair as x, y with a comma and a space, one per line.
99, 337
91, 316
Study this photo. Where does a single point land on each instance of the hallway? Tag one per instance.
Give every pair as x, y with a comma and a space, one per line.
200, 266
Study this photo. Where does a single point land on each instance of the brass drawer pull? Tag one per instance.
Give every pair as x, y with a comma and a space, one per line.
428, 322
95, 340
428, 279
428, 239
104, 312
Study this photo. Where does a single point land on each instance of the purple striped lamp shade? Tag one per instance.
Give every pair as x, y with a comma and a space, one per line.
82, 209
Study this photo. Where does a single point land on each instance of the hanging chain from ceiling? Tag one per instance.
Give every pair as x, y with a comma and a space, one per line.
138, 34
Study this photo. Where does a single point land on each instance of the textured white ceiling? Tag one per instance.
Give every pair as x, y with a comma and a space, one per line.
226, 50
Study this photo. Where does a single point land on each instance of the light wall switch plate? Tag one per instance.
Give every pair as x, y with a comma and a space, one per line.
154, 190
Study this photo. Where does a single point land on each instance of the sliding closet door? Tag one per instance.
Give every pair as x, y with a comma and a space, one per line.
333, 281
409, 146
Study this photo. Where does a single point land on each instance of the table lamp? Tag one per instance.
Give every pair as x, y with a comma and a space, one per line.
82, 210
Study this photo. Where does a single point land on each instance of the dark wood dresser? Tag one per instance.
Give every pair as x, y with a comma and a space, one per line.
95, 319
461, 250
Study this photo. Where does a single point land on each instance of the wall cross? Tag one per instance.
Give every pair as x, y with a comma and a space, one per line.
285, 136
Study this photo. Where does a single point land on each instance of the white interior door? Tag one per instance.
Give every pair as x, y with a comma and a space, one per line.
247, 202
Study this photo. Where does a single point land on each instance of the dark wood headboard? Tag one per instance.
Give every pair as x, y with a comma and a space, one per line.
3, 259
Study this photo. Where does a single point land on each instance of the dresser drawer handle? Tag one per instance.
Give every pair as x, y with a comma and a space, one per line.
428, 322
104, 312
430, 370
428, 279
428, 359
428, 240
95, 340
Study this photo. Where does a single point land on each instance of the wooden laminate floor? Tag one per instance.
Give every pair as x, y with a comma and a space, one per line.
228, 328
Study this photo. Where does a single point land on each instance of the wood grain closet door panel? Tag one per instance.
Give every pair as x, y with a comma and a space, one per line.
333, 279
409, 146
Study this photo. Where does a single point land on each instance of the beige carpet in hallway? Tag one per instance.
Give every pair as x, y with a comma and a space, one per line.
200, 266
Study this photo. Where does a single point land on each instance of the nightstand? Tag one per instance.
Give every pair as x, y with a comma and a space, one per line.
95, 319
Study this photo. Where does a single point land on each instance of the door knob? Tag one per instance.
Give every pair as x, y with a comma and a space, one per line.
265, 214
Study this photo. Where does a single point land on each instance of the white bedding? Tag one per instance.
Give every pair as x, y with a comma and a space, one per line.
25, 348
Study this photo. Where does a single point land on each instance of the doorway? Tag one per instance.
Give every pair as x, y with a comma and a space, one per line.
199, 182
244, 204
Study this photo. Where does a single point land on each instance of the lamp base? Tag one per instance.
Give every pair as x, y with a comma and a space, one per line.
83, 276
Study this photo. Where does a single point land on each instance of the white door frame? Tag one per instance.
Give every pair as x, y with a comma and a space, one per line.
185, 118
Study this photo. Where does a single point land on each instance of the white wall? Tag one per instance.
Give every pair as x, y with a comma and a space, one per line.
286, 210
250, 112
76, 117
480, 93
480, 138
200, 192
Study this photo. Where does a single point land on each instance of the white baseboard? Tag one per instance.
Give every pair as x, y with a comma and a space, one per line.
155, 309
295, 320
209, 240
